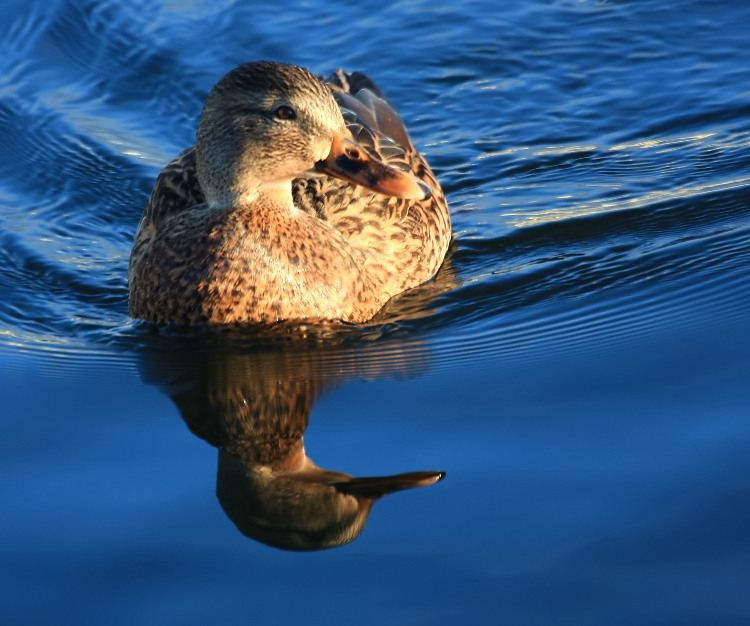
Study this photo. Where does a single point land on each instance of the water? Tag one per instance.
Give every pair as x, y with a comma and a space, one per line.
579, 369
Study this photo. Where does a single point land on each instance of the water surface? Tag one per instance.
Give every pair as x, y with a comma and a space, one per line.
579, 368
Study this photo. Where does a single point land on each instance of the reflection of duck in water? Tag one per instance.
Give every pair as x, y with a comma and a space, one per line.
293, 504
240, 228
255, 407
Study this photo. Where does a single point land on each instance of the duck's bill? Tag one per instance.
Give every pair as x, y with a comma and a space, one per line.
380, 486
351, 162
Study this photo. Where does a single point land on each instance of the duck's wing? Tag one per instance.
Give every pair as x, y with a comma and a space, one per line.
404, 241
176, 188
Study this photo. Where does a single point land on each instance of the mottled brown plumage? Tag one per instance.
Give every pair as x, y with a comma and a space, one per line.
240, 228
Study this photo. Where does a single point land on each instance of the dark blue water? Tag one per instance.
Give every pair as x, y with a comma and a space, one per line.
580, 368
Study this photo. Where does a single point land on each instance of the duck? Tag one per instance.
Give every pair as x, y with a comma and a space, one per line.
303, 199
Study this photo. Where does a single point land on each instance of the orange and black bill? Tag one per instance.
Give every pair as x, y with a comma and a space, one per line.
349, 161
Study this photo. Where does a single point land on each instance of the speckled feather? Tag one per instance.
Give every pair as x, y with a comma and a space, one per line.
341, 256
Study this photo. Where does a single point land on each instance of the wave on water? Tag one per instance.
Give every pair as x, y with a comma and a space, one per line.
561, 236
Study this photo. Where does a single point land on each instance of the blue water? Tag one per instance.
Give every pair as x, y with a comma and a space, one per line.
580, 367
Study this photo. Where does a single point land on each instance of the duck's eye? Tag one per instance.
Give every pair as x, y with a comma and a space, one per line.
285, 113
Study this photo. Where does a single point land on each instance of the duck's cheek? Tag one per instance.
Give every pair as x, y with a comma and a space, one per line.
314, 151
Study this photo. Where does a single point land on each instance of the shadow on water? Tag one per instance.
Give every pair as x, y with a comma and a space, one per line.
249, 393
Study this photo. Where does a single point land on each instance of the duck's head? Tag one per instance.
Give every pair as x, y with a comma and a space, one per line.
265, 124
304, 507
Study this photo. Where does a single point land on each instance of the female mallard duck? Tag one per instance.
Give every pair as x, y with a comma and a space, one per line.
279, 213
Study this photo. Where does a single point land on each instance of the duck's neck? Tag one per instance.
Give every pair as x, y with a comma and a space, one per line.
276, 196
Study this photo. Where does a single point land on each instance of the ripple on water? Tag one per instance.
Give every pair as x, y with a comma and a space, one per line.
570, 223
